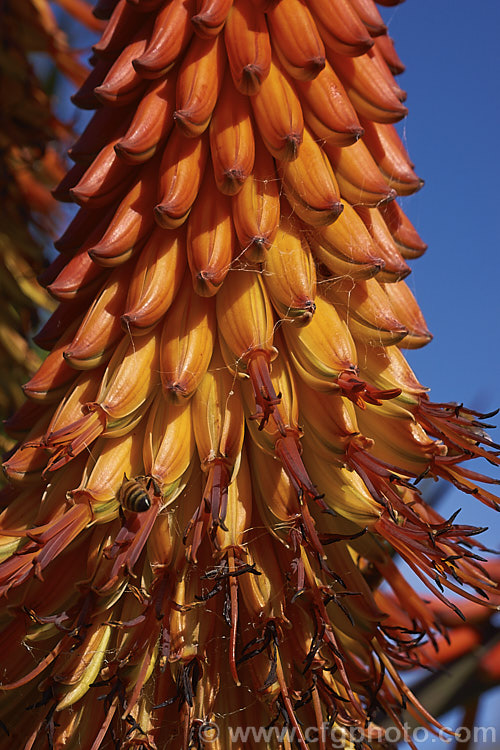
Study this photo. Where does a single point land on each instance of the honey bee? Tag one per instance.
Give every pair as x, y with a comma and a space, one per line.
133, 494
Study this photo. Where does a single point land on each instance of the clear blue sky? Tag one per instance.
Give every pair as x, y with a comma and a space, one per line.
451, 50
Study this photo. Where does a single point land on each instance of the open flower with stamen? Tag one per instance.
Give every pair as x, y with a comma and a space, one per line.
220, 456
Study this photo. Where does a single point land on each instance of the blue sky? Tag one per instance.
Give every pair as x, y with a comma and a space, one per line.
451, 50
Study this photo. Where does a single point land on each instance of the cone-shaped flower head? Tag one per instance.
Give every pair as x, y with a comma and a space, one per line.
221, 453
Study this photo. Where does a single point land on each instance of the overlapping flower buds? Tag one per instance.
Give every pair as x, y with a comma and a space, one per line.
219, 456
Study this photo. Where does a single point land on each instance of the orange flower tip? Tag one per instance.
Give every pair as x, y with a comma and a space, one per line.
203, 26
129, 324
256, 249
74, 358
322, 217
175, 389
309, 308
314, 67
251, 79
101, 254
105, 93
233, 181
126, 151
379, 29
166, 218
290, 150
189, 128
356, 132
142, 64
206, 283
63, 192
391, 195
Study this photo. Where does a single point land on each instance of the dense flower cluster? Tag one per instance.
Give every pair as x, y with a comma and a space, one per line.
220, 454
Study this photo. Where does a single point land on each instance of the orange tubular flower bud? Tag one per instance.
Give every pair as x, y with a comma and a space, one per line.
387, 149
341, 27
218, 417
310, 184
345, 246
369, 311
408, 312
328, 110
130, 378
232, 142
210, 238
248, 46
123, 23
395, 268
156, 280
187, 342
151, 124
405, 235
369, 14
198, 85
168, 444
171, 34
278, 114
103, 181
181, 172
290, 274
245, 321
323, 349
100, 329
330, 423
54, 375
122, 84
368, 89
27, 462
360, 180
211, 16
80, 277
131, 223
256, 207
296, 39
127, 384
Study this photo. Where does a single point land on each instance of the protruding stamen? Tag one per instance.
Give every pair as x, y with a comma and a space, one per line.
265, 396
